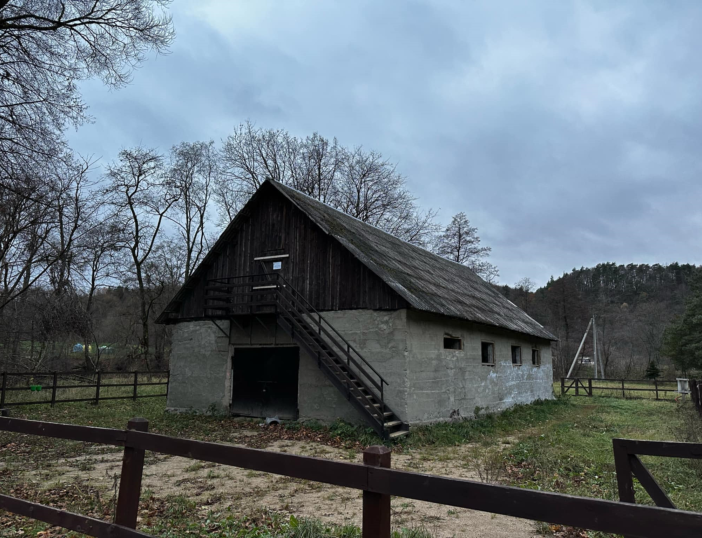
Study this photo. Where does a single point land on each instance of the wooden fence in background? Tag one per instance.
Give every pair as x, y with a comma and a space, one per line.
375, 478
29, 388
655, 389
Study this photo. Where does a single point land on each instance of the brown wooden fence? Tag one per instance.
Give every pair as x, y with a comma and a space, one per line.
624, 388
375, 478
48, 387
696, 394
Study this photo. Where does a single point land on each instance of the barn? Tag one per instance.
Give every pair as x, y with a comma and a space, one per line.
300, 311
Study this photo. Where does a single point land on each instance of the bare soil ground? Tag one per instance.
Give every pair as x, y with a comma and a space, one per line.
216, 487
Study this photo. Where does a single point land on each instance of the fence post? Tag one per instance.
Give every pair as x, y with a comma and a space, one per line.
625, 481
134, 395
577, 386
376, 507
696, 394
53, 389
589, 386
4, 389
97, 389
168, 381
623, 393
655, 382
130, 481
562, 386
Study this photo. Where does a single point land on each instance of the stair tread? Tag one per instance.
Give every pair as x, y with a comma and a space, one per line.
337, 366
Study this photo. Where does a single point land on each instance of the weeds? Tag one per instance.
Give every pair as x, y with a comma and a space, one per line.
688, 429
486, 425
488, 463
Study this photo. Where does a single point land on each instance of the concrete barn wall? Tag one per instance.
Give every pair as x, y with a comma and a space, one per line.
200, 369
426, 382
444, 384
380, 336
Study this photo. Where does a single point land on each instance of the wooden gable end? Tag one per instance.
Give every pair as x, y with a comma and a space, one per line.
318, 266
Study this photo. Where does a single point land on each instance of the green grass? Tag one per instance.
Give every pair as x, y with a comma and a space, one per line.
456, 432
563, 445
488, 425
574, 454
612, 388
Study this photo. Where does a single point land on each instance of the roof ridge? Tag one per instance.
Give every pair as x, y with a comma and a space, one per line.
314, 200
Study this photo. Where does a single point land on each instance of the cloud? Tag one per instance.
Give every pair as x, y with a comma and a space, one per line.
567, 131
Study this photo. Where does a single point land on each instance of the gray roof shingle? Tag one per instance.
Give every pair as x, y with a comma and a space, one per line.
426, 281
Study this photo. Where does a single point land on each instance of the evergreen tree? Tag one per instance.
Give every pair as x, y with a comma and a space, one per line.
682, 340
652, 372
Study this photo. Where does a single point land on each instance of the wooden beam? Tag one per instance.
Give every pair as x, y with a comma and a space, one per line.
68, 520
649, 483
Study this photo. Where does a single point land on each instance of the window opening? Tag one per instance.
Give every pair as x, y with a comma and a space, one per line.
488, 353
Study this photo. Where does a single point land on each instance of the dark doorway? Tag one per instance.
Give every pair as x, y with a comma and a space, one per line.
264, 382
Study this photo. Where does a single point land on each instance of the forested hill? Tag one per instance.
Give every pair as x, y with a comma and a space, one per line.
633, 304
631, 283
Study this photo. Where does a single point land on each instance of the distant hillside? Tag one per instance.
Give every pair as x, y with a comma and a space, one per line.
632, 304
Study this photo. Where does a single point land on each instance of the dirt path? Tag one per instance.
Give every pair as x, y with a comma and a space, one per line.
216, 487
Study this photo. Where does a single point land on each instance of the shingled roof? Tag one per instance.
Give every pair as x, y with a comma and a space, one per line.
426, 281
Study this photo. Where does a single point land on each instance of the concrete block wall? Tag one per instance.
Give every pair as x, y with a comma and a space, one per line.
380, 336
200, 368
426, 382
445, 383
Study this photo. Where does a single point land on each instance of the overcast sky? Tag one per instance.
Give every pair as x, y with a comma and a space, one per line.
569, 132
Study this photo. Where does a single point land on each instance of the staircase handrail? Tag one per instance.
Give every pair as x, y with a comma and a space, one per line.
322, 329
308, 305
321, 318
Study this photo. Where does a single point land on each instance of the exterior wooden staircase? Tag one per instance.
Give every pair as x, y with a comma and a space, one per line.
342, 364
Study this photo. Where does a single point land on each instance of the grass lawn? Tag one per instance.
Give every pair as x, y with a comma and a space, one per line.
563, 445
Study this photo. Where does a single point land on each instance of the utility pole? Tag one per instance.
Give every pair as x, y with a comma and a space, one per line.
582, 342
594, 344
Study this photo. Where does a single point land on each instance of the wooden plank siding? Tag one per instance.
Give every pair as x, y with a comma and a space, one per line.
323, 270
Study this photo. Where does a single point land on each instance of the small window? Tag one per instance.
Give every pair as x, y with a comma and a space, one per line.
277, 265
516, 355
452, 342
535, 357
488, 352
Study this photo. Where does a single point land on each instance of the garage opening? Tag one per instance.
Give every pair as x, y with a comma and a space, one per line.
264, 382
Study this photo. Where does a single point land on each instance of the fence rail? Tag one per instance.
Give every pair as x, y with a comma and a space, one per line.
375, 478
625, 388
29, 388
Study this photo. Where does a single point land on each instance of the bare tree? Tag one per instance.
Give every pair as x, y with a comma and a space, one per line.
460, 243
315, 164
141, 195
360, 183
372, 191
39, 221
99, 265
193, 172
47, 47
249, 156
525, 286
